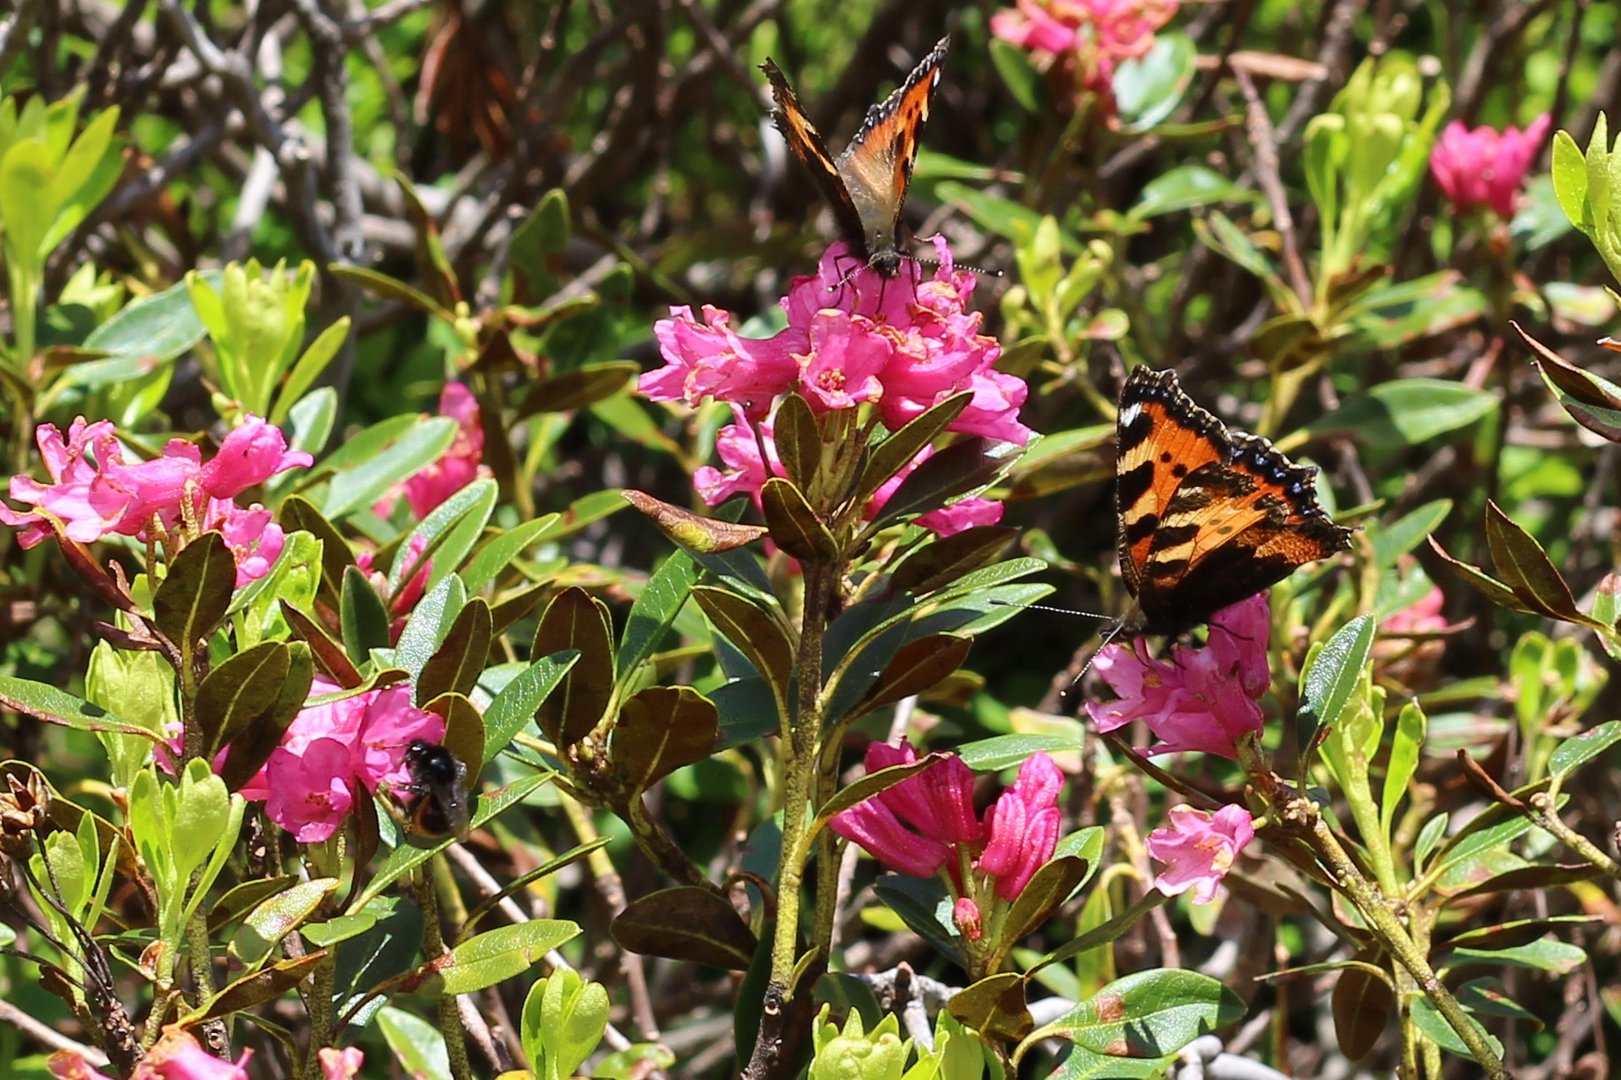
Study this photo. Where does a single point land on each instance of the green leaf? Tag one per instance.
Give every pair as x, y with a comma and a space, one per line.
758, 633
1527, 571
515, 706
1406, 412
1580, 749
963, 466
1331, 678
1392, 541
901, 448
362, 617
239, 691
1405, 751
798, 440
1019, 75
578, 621
446, 535
1004, 751
1435, 1027
1570, 180
456, 665
1148, 88
193, 599
1187, 187
276, 917
1050, 887
658, 730
416, 1044
497, 955
655, 609
563, 1020
45, 702
1148, 1014
309, 368
384, 462
430, 621
793, 522
144, 334
498, 552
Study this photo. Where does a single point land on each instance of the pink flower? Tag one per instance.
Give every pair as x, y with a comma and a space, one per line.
739, 447
308, 792
854, 339
1485, 167
841, 368
72, 499
926, 823
460, 465
340, 1064
176, 1056
1021, 828
332, 747
966, 917
913, 826
1088, 37
255, 541
174, 497
250, 454
1202, 698
708, 360
1199, 848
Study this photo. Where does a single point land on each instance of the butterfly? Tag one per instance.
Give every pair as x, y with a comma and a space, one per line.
866, 184
1208, 516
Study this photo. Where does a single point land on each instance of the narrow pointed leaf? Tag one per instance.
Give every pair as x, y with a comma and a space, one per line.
456, 665
793, 523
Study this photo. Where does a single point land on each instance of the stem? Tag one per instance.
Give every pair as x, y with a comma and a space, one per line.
433, 947
800, 767
1302, 816
318, 1004
1540, 808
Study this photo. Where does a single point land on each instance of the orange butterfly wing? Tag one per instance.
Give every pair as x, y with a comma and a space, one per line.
1208, 516
866, 185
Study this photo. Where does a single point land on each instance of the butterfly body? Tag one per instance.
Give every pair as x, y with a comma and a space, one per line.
1208, 516
866, 184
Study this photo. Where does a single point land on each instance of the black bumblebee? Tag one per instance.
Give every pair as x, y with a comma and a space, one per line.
436, 800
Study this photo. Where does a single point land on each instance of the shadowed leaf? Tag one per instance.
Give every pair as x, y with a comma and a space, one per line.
793, 524
575, 620
686, 923
660, 729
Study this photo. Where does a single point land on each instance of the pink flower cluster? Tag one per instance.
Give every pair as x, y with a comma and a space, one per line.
334, 748
177, 1055
94, 492
458, 467
1202, 698
1091, 35
926, 824
1198, 848
898, 346
1484, 167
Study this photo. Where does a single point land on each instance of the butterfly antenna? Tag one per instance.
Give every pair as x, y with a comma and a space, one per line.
1054, 609
1108, 638
996, 273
